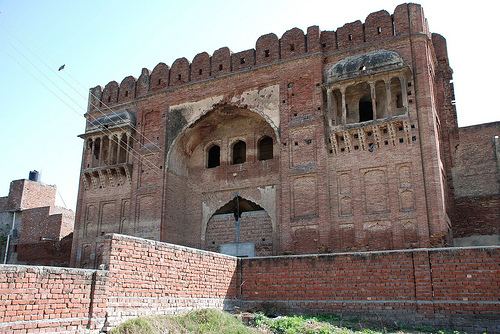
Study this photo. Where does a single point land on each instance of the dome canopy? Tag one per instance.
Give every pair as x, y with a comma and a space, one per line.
120, 118
365, 64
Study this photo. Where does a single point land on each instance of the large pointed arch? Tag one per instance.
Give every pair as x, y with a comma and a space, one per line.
178, 142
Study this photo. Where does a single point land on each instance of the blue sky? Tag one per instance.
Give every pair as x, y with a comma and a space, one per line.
100, 41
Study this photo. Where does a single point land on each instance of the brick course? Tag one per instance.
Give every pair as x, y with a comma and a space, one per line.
452, 287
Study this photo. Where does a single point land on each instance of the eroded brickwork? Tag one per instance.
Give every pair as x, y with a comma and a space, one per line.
34, 225
362, 123
476, 181
453, 287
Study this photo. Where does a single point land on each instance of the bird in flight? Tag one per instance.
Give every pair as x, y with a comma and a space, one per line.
61, 67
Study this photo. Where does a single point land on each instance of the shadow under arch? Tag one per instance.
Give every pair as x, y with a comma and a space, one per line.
220, 227
192, 132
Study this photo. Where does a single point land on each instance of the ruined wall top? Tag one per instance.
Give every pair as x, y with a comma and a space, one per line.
378, 26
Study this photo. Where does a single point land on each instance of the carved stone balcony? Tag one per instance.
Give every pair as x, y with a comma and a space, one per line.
107, 176
372, 135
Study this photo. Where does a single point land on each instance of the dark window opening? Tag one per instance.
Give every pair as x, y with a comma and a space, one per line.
399, 101
265, 148
109, 98
220, 67
200, 71
401, 140
292, 47
97, 148
266, 53
242, 60
159, 82
323, 45
379, 30
126, 93
350, 37
239, 152
179, 77
365, 109
213, 157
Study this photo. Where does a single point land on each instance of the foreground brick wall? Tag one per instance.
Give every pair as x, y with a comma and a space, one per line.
149, 277
458, 287
50, 299
447, 287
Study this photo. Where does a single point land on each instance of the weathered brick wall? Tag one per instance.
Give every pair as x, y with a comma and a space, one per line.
255, 227
50, 299
144, 277
281, 83
449, 286
150, 277
476, 180
45, 223
26, 194
458, 287
46, 253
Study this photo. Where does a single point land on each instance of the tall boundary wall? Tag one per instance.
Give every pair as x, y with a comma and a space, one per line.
453, 287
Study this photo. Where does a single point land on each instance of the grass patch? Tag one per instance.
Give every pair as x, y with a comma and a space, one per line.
211, 321
207, 321
333, 324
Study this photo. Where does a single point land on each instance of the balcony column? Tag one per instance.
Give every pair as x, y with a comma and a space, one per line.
114, 150
374, 99
99, 161
344, 109
330, 109
129, 145
389, 98
110, 149
404, 94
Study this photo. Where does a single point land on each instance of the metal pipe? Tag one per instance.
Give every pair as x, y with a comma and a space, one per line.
8, 238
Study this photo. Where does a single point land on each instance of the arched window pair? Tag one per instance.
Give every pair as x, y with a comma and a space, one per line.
239, 152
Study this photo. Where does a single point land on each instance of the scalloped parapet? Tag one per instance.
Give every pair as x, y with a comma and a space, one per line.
378, 26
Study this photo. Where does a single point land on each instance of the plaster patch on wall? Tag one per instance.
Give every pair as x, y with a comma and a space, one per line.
192, 111
264, 101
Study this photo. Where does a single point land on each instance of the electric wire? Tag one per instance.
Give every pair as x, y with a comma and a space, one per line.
139, 157
113, 112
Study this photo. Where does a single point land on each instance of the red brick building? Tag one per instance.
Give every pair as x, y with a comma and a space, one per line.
318, 141
33, 230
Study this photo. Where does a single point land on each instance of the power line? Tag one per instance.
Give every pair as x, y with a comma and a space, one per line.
85, 98
139, 157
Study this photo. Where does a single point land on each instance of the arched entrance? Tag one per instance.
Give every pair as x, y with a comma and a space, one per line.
240, 227
225, 151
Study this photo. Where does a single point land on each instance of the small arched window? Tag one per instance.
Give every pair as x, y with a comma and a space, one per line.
265, 148
239, 152
213, 159
365, 109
